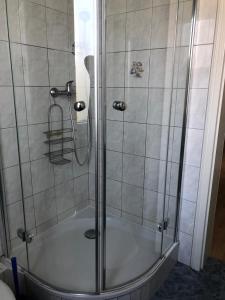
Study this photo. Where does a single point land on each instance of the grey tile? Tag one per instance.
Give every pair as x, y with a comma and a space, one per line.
92, 187
32, 23
115, 70
35, 66
180, 107
115, 6
21, 111
159, 106
113, 193
37, 138
7, 112
15, 218
29, 213
58, 67
37, 104
57, 30
138, 25
77, 169
153, 206
65, 172
155, 173
193, 150
185, 248
162, 2
132, 80
163, 26
12, 184
114, 135
197, 108
176, 144
161, 68
44, 206
174, 173
24, 144
131, 218
48, 224
134, 138
202, 56
65, 197
172, 211
132, 199
114, 165
181, 67
57, 5
13, 20
17, 64
26, 180
187, 217
190, 183
5, 74
81, 135
42, 175
115, 33
184, 23
9, 148
137, 5
81, 188
206, 22
114, 94
157, 141
136, 102
3, 22
133, 169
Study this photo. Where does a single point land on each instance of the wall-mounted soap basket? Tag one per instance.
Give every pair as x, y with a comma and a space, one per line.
56, 137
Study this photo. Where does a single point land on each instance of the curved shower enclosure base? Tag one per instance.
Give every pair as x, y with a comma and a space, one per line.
141, 289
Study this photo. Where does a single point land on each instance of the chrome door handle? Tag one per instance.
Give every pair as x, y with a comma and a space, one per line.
119, 105
79, 105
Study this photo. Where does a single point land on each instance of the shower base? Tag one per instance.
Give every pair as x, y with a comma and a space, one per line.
64, 258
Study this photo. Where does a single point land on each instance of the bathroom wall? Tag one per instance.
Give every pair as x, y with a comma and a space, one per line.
200, 76
136, 145
41, 37
38, 38
137, 139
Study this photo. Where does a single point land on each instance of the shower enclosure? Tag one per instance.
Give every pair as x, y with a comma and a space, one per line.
92, 138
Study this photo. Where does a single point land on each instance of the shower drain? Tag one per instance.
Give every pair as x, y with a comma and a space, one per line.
90, 234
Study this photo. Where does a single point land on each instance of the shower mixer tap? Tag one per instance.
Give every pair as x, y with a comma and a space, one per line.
54, 92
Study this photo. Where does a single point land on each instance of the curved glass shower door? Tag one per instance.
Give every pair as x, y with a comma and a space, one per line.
52, 54
92, 175
146, 55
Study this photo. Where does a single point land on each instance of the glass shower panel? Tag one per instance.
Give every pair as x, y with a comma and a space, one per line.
177, 118
52, 62
140, 63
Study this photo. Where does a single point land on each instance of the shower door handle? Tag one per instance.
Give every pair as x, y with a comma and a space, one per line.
119, 105
79, 105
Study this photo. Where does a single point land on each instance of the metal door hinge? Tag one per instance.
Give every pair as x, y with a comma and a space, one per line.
24, 235
163, 226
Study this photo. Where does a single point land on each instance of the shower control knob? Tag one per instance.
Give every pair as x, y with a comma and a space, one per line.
119, 105
79, 105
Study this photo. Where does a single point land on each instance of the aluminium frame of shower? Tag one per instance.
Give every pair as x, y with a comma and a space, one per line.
100, 155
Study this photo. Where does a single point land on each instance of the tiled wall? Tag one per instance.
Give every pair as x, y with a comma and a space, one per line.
200, 76
41, 37
137, 139
140, 31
